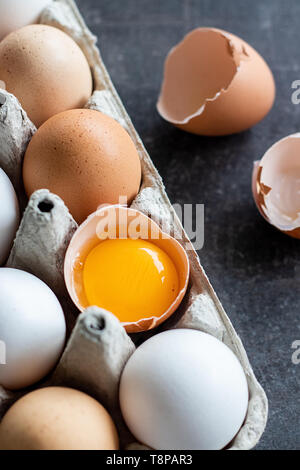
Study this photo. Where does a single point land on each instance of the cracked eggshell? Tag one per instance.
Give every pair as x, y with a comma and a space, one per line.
15, 14
120, 222
276, 185
215, 84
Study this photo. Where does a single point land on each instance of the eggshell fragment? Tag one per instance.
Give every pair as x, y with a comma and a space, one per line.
276, 185
46, 70
86, 158
120, 222
215, 84
57, 418
15, 14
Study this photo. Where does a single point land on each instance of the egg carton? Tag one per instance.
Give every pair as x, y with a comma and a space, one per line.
98, 346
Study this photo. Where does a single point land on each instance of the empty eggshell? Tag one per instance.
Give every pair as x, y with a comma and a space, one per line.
120, 222
15, 14
215, 84
276, 185
46, 70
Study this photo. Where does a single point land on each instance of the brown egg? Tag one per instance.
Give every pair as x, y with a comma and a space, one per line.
57, 418
215, 84
46, 70
86, 158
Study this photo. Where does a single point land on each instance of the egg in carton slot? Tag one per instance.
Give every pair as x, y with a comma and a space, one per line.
98, 346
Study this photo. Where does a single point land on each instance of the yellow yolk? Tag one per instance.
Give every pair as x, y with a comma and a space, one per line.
133, 279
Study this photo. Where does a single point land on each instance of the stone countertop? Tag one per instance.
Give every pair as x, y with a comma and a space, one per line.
254, 269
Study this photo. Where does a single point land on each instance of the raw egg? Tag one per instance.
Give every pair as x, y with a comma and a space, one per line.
57, 418
145, 276
9, 216
215, 84
121, 261
184, 390
86, 158
32, 327
46, 70
15, 14
276, 185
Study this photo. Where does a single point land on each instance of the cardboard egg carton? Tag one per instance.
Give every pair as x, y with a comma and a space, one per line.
98, 346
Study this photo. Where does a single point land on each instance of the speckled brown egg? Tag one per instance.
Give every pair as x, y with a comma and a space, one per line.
57, 418
86, 158
46, 70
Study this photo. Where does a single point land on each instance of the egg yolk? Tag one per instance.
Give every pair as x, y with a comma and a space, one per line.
133, 279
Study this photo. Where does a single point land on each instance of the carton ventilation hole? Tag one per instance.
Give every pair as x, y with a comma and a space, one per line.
46, 206
2, 100
98, 324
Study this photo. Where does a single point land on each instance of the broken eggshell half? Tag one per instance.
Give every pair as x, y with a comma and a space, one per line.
119, 222
215, 84
276, 185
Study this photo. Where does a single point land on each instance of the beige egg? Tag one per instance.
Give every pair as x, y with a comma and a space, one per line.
86, 158
57, 418
215, 84
46, 70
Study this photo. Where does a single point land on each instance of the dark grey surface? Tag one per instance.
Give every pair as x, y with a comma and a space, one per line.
254, 269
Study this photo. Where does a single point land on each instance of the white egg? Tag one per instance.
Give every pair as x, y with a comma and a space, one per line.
9, 216
32, 328
184, 390
15, 14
